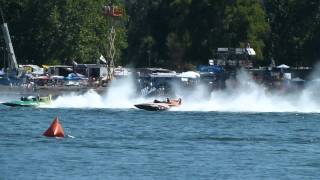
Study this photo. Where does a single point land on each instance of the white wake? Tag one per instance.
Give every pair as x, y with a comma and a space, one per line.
245, 96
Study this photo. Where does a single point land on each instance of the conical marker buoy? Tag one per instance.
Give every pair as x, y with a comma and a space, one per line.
55, 130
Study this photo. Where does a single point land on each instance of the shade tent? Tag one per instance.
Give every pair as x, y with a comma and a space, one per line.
189, 74
57, 77
75, 76
2, 72
283, 66
42, 77
297, 79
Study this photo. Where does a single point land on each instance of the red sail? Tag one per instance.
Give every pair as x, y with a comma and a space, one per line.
55, 130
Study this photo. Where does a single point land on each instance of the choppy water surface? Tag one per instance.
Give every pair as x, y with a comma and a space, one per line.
135, 144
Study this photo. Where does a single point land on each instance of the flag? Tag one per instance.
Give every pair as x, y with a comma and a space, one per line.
75, 63
103, 59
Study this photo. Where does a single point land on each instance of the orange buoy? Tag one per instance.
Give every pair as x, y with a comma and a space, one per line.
55, 130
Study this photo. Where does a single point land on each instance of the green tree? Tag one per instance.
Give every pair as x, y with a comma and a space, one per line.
246, 22
294, 31
50, 32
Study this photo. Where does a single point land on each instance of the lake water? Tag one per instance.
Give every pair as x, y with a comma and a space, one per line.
135, 144
245, 132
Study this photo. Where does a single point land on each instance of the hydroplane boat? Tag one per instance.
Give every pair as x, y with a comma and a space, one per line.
30, 101
157, 105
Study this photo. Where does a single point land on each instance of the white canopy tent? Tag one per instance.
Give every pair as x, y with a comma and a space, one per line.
283, 66
189, 74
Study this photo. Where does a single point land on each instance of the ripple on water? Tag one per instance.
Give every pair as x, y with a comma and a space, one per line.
131, 144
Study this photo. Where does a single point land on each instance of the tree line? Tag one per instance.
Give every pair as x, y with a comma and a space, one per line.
176, 34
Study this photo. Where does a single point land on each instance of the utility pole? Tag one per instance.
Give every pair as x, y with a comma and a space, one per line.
112, 13
13, 65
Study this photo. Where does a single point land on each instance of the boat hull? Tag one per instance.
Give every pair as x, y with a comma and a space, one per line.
15, 104
153, 106
29, 103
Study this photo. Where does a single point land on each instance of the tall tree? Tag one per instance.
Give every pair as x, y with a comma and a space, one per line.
295, 31
61, 31
246, 22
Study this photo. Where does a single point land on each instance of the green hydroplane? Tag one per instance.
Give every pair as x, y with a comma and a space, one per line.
30, 101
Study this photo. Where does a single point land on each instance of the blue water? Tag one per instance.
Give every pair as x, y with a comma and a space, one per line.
135, 144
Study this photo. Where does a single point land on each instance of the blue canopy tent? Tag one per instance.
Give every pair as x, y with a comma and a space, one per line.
75, 77
210, 69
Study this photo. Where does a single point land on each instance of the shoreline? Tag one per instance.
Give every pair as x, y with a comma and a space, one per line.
44, 91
